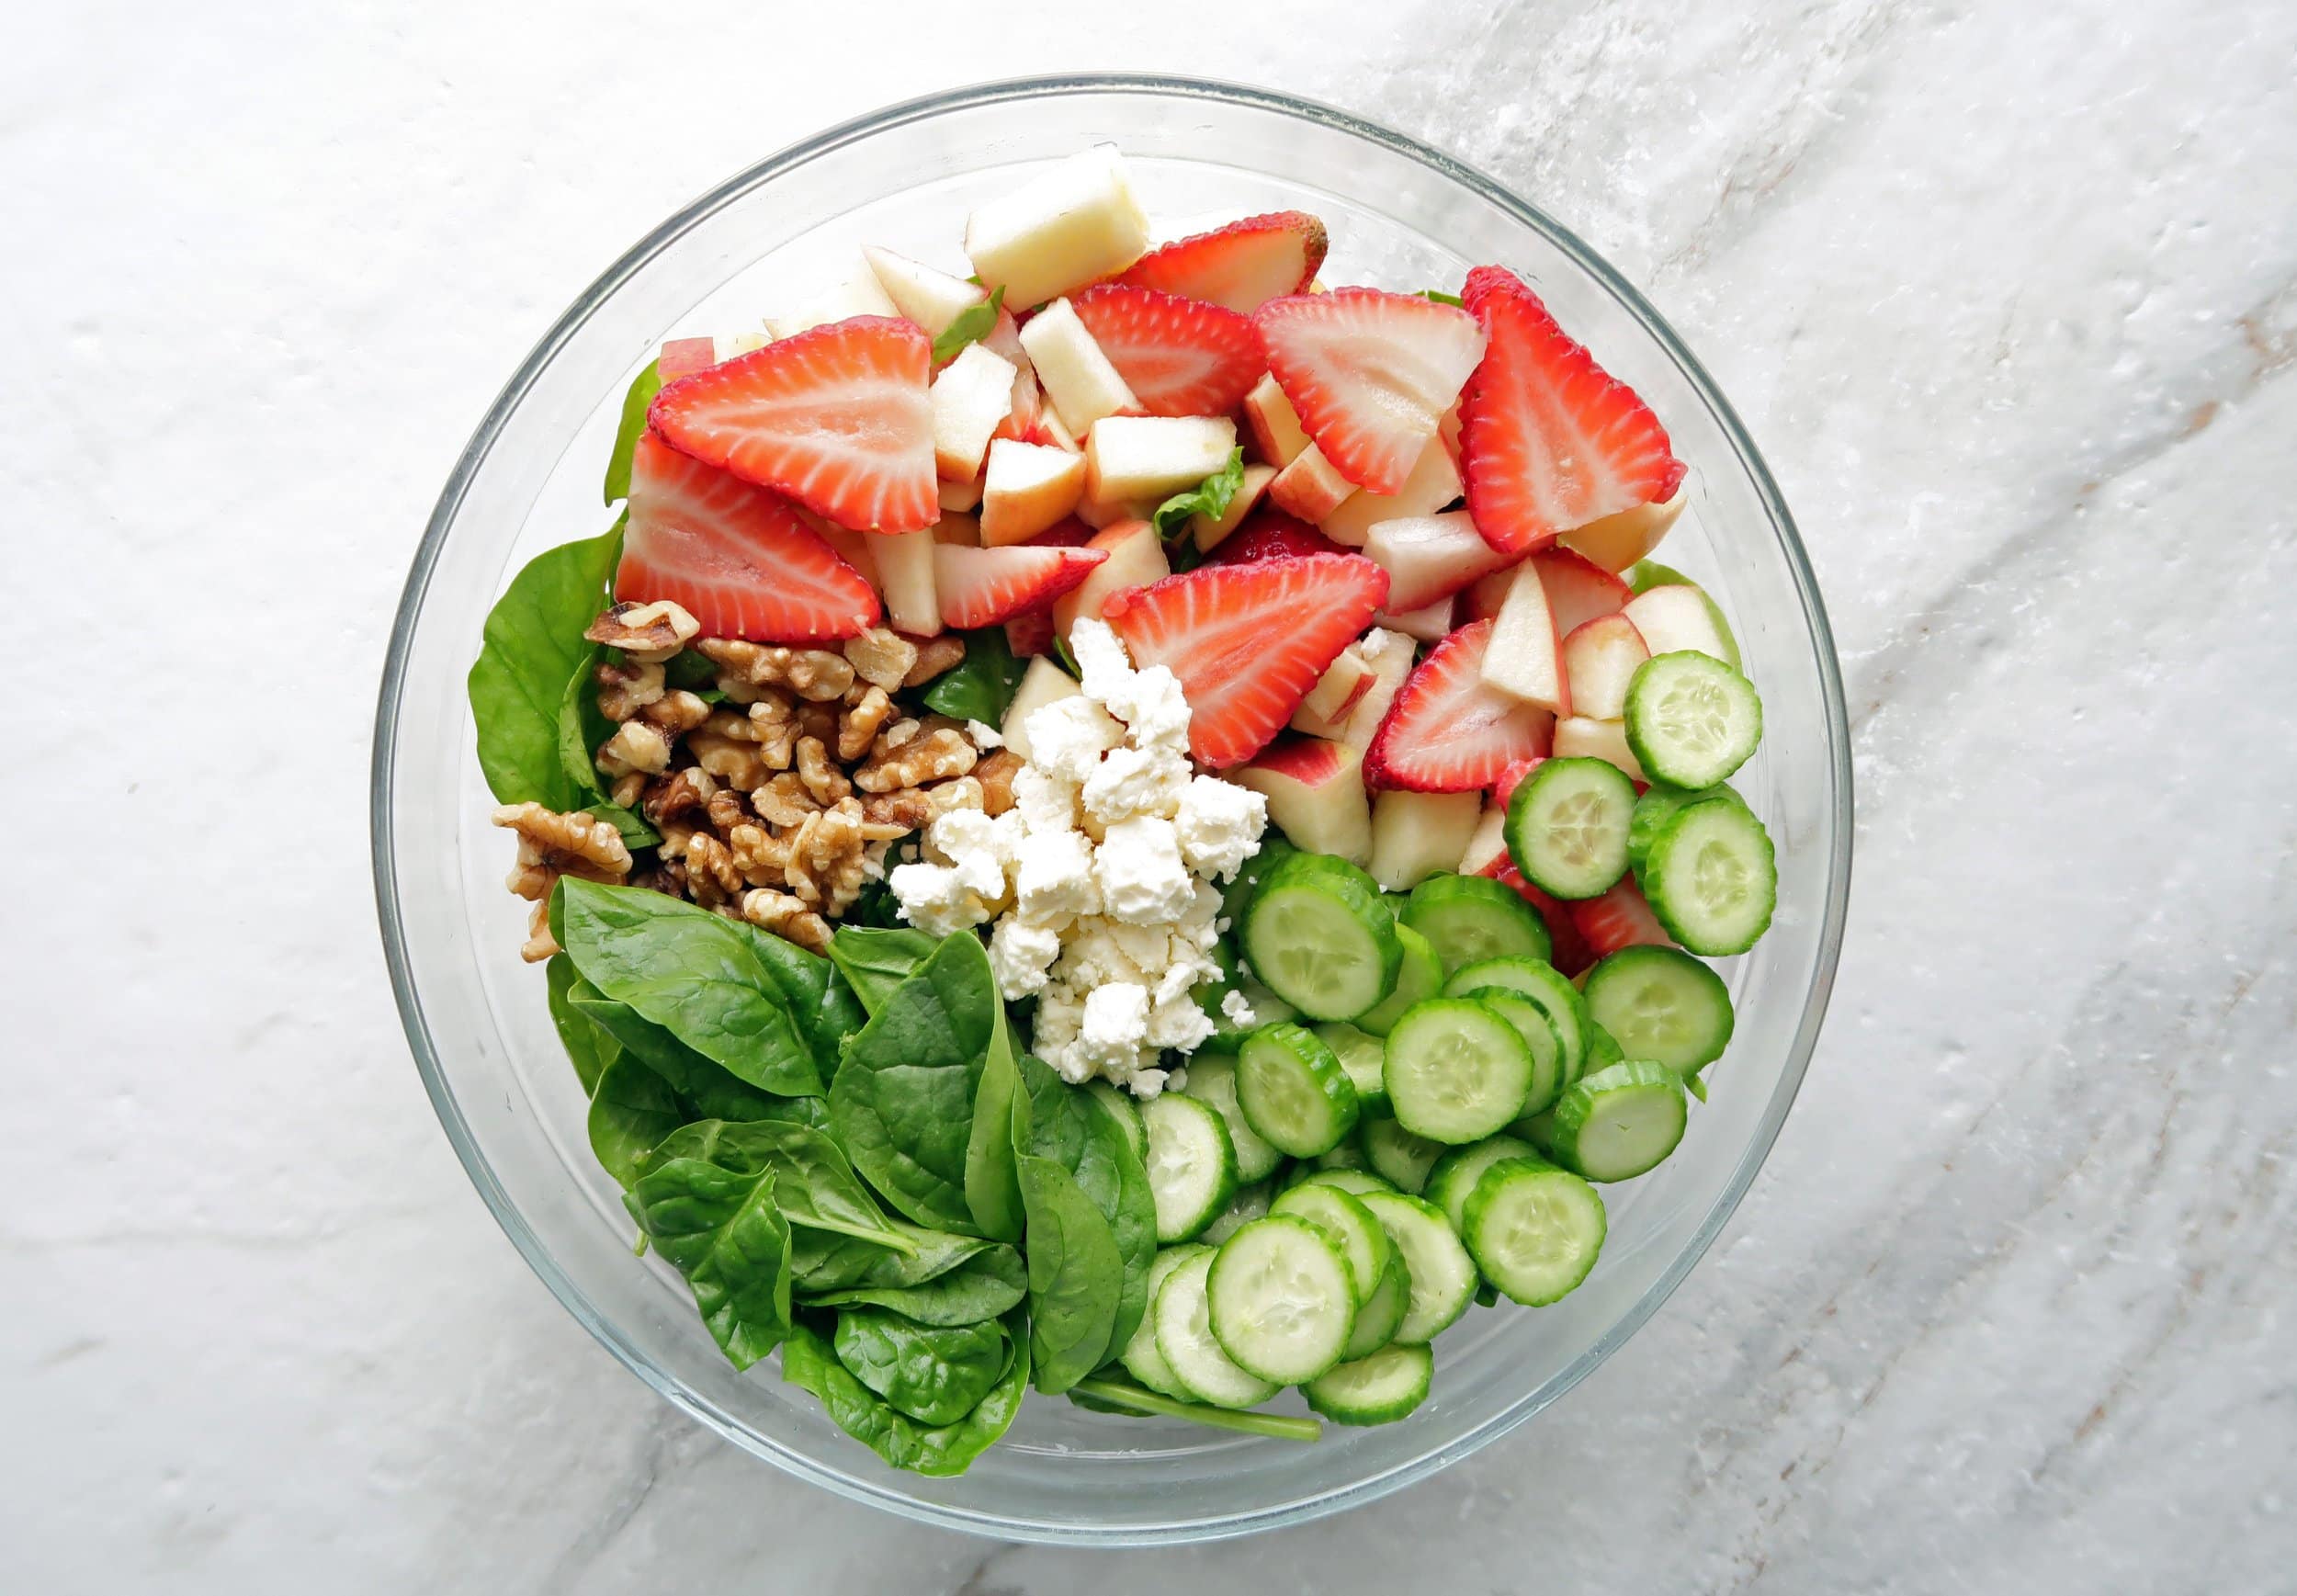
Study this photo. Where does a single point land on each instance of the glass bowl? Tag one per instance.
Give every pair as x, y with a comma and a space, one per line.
1402, 216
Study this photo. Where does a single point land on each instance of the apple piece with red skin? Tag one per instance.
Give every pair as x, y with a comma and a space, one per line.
1431, 623
1310, 487
1600, 658
1274, 425
1343, 683
1429, 557
1027, 489
904, 565
1525, 658
1417, 834
1136, 559
1486, 845
1389, 655
1433, 483
971, 396
1315, 793
1615, 542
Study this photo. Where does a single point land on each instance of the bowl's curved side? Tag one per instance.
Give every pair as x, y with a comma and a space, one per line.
409, 793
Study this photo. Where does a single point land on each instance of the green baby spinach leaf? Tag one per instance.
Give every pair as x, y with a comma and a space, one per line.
810, 1363
813, 1186
1061, 1124
590, 1048
1209, 498
874, 960
979, 686
643, 387
632, 1112
826, 1009
901, 1104
532, 647
821, 1263
697, 975
1076, 1276
709, 1089
993, 1180
988, 1283
721, 1229
1441, 297
968, 326
934, 1374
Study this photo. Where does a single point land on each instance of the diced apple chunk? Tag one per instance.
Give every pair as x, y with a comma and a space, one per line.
1315, 793
973, 394
1042, 683
965, 495
1076, 376
1055, 431
1028, 487
1433, 483
1310, 487
1209, 532
1134, 462
1388, 655
1415, 834
1430, 557
1431, 623
905, 570
1071, 226
857, 295
1486, 845
1136, 559
852, 547
1525, 657
1615, 542
932, 298
1345, 680
1579, 737
1276, 429
1600, 659
1676, 618
958, 527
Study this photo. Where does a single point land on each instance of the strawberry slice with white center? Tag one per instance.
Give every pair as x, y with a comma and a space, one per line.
1618, 919
1369, 373
735, 556
1179, 356
981, 587
1247, 642
1449, 730
837, 417
1241, 266
1549, 440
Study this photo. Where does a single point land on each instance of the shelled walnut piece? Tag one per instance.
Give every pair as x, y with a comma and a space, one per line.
550, 845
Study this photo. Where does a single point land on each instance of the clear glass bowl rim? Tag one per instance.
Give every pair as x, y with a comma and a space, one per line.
482, 439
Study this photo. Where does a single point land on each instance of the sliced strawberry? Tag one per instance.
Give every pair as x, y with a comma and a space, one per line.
735, 556
1370, 374
1179, 356
981, 587
1241, 266
1030, 633
683, 357
1247, 642
1549, 440
1620, 918
1578, 590
1450, 732
1271, 535
1066, 533
836, 417
1503, 788
1028, 398
1570, 953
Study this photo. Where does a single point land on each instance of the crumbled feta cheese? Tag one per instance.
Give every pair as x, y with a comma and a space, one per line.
1156, 711
1115, 1027
1067, 738
1219, 824
977, 848
1019, 952
985, 736
1102, 670
1056, 876
1060, 1016
1237, 1008
935, 898
1141, 875
1045, 803
1134, 781
1175, 1018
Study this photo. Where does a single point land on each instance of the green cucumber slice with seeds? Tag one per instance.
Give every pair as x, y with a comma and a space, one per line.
1355, 1183
1692, 719
1457, 1071
1250, 1203
1467, 918
1398, 1156
1619, 1122
1657, 807
1567, 826
1534, 1230
1213, 1081
1184, 1338
1712, 878
1281, 1304
1442, 1274
1318, 935
1384, 1310
1379, 1388
1190, 1164
1349, 1224
1140, 1357
1363, 1059
1417, 977
1532, 1023
1544, 985
1662, 1005
1453, 1179
1293, 1091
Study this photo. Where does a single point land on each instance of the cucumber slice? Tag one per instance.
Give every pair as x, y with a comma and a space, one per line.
1662, 1005
1121, 1106
1213, 1081
1236, 897
1250, 1203
1363, 1059
1349, 1223
1184, 1340
1534, 1230
1467, 918
1348, 1155
1293, 1091
1318, 935
1567, 826
1379, 1388
1457, 1071
1453, 1179
1544, 985
1190, 1164
1442, 1274
1282, 1303
1355, 1183
1377, 1318
1710, 877
1268, 1009
1619, 1122
1645, 574
1692, 719
1532, 1023
1657, 807
1140, 1357
1417, 977
1398, 1156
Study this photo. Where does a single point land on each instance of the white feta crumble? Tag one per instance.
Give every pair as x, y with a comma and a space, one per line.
1219, 824
1156, 713
1055, 876
985, 736
1021, 953
1140, 872
1175, 1018
1115, 1027
935, 898
1067, 738
1138, 781
977, 848
1103, 670
1044, 802
1237, 1008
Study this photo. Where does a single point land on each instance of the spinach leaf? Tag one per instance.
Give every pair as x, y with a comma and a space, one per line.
632, 1112
877, 909
1076, 1276
590, 1048
1065, 1126
979, 686
643, 387
583, 727
1209, 498
721, 1229
696, 974
990, 1282
822, 1263
813, 1186
1441, 297
936, 1374
826, 1009
968, 326
902, 1103
710, 1089
696, 673
874, 961
992, 1180
533, 644
946, 1449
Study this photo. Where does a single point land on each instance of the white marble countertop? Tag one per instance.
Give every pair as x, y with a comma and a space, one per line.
2008, 295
